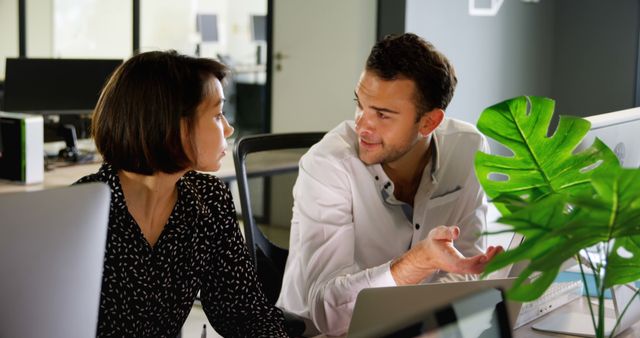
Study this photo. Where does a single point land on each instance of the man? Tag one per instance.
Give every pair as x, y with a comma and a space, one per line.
372, 197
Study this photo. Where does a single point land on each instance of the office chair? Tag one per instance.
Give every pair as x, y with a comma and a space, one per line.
268, 258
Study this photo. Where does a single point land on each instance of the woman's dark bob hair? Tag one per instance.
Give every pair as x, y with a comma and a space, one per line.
136, 123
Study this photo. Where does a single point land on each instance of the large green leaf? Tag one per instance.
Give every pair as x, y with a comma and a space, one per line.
558, 226
540, 164
616, 206
547, 245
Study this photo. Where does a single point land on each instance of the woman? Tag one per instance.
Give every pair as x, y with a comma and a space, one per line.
172, 231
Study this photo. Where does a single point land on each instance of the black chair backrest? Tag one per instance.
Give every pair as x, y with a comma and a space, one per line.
268, 258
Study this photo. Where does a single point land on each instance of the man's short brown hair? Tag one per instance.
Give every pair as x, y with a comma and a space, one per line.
411, 57
136, 123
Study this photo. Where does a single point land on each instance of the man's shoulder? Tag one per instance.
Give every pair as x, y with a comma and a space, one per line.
452, 131
452, 126
337, 145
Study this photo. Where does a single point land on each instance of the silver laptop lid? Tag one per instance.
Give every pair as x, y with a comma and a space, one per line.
52, 246
379, 308
481, 314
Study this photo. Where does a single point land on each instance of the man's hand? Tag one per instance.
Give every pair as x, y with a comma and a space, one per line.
436, 252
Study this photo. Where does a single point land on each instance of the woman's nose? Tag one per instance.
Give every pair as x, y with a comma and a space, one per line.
228, 128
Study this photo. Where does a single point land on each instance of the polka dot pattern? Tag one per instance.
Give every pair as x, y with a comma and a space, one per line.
149, 291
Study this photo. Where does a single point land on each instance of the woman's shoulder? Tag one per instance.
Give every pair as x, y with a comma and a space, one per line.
207, 184
101, 176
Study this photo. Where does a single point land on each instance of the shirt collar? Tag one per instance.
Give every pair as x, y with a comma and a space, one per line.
382, 181
435, 157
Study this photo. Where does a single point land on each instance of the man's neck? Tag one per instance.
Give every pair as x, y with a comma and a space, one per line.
406, 172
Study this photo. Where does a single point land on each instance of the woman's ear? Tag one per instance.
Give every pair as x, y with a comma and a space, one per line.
187, 139
430, 121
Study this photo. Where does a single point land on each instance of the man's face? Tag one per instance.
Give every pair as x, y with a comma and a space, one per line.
386, 118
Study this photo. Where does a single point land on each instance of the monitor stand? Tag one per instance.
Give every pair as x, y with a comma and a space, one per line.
70, 152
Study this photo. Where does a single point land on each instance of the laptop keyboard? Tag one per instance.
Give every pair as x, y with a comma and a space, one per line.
557, 295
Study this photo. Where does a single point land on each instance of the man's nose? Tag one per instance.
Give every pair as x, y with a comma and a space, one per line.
364, 123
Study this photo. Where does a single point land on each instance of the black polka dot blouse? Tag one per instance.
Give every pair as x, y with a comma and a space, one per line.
148, 291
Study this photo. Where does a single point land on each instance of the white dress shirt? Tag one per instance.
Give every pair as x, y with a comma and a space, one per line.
347, 225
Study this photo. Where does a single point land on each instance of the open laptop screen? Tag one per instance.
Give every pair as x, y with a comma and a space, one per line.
51, 255
482, 314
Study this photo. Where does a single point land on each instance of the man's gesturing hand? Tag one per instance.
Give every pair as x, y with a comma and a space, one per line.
436, 252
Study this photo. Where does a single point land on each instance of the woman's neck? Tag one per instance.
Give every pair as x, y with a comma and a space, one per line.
150, 200
150, 187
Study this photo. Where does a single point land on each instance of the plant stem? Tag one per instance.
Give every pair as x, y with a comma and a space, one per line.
586, 288
598, 275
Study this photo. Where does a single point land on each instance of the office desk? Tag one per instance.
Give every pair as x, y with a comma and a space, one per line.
578, 305
273, 161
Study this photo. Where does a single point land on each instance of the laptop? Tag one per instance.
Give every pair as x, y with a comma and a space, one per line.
481, 314
382, 309
52, 245
580, 324
512, 270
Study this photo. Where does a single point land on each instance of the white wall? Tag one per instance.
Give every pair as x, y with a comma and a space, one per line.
239, 29
103, 29
168, 24
39, 28
171, 24
89, 29
495, 57
581, 53
326, 43
9, 28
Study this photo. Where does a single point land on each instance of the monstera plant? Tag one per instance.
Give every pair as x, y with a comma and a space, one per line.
563, 202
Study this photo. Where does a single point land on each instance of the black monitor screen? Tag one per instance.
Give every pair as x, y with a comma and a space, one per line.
55, 86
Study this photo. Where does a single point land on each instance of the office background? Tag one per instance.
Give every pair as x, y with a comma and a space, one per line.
583, 53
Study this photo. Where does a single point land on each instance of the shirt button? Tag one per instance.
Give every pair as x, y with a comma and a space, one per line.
417, 226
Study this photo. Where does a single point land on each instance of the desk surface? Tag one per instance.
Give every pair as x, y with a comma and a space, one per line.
273, 161
578, 305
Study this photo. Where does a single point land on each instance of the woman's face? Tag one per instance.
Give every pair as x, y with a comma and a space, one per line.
210, 130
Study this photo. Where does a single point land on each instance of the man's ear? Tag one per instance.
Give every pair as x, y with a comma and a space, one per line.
430, 121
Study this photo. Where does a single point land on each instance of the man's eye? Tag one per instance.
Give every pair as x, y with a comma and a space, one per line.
382, 115
357, 103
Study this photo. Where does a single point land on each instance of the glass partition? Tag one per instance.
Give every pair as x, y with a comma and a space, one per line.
232, 31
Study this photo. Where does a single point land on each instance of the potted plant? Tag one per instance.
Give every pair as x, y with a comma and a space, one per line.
563, 203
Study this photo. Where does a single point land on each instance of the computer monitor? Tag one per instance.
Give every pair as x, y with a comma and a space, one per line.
259, 27
52, 245
67, 88
207, 26
619, 131
55, 86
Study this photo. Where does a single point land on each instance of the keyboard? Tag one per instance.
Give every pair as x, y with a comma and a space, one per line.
557, 295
